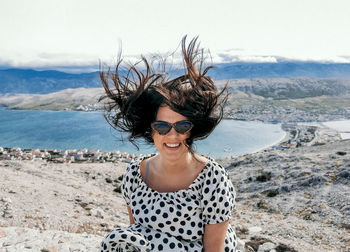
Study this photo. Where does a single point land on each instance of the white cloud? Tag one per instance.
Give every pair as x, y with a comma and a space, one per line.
43, 33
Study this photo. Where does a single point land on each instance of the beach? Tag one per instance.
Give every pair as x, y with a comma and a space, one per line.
288, 199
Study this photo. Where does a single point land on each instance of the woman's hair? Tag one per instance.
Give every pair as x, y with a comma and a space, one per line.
134, 96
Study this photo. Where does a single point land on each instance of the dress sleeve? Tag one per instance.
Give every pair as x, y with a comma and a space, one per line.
128, 182
218, 195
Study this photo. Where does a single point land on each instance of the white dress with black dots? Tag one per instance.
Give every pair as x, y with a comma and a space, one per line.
174, 221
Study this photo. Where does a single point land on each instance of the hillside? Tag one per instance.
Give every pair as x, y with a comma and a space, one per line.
28, 81
68, 99
288, 99
292, 200
270, 100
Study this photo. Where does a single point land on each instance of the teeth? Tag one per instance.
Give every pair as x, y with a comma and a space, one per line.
172, 145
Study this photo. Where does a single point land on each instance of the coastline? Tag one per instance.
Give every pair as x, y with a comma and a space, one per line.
95, 155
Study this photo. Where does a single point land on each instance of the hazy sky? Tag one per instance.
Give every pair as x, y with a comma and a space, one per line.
80, 32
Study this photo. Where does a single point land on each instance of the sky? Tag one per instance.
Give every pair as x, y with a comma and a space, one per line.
80, 33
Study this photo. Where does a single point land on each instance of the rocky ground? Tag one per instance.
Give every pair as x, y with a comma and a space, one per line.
296, 198
38, 197
291, 200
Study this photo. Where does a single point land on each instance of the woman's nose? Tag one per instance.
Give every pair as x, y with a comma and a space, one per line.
172, 132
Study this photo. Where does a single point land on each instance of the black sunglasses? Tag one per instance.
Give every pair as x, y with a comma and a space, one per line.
180, 127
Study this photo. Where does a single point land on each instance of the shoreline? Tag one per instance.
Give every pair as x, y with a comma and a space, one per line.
95, 155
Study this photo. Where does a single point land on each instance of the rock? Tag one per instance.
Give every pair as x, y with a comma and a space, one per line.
6, 200
240, 245
6, 244
344, 174
267, 247
263, 204
254, 229
97, 212
263, 177
341, 153
2, 234
271, 192
241, 229
284, 248
254, 243
118, 189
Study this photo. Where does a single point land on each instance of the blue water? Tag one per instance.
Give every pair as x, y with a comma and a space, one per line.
75, 130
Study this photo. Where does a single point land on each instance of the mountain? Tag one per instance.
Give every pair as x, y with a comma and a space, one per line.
289, 88
280, 70
27, 81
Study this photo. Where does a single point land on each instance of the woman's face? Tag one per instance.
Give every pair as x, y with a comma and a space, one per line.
172, 145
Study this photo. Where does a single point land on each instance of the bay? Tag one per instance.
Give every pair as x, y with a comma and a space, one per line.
76, 130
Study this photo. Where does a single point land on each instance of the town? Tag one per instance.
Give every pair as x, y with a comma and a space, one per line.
66, 156
288, 114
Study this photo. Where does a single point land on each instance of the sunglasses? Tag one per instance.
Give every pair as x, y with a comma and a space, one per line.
180, 127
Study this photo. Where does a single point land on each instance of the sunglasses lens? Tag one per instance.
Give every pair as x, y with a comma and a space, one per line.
161, 127
183, 126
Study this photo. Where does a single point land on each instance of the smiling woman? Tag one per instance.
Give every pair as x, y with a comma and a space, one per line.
177, 199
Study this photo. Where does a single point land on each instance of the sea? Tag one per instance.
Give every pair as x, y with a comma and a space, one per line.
37, 129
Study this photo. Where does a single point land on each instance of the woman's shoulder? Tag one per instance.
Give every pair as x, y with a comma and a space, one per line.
134, 166
214, 167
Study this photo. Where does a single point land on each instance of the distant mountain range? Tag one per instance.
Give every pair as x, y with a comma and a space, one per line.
28, 81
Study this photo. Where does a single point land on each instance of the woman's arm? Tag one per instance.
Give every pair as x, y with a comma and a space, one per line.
131, 217
214, 236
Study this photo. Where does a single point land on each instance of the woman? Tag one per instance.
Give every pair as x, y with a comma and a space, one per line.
177, 200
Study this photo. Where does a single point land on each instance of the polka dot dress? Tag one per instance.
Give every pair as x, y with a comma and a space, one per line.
174, 221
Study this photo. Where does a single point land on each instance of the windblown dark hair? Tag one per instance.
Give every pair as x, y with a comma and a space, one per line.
136, 95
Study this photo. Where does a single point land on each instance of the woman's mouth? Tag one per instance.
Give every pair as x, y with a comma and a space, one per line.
172, 145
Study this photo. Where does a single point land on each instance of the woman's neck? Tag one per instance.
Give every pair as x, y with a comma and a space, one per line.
177, 166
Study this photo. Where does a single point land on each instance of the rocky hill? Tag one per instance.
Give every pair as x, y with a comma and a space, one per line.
269, 100
290, 88
67, 99
288, 99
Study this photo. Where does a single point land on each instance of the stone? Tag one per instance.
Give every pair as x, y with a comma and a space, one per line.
267, 247
2, 234
254, 229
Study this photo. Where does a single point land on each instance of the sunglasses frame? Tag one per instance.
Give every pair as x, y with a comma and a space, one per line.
172, 125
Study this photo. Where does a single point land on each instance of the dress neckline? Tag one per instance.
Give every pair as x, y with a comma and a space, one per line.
174, 192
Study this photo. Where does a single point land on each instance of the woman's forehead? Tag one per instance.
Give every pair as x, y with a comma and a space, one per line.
166, 114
